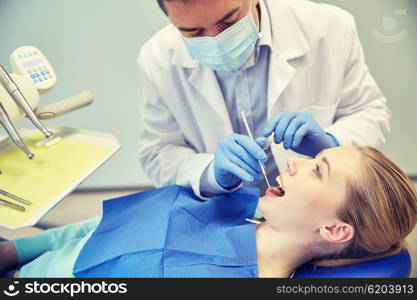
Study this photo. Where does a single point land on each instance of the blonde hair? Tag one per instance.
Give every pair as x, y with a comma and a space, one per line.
381, 206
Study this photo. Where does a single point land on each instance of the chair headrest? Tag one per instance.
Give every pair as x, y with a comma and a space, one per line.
394, 266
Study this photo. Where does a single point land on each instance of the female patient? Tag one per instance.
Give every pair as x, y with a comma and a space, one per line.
346, 204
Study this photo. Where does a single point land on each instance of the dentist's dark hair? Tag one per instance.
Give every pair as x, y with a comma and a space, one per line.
162, 6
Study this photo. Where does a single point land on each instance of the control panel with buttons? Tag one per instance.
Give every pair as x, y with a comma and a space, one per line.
29, 61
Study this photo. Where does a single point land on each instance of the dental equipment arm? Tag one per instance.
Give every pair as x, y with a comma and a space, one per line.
12, 132
17, 95
65, 106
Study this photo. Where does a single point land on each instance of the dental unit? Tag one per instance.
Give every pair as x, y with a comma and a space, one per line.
19, 96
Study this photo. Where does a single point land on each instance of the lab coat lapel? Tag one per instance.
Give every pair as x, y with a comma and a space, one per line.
204, 81
280, 74
288, 42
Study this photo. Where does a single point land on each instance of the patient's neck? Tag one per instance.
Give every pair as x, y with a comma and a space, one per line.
280, 253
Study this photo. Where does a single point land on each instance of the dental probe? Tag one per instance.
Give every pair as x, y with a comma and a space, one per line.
12, 205
17, 198
251, 136
21, 101
11, 130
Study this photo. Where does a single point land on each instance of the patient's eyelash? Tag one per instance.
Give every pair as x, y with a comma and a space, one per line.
316, 170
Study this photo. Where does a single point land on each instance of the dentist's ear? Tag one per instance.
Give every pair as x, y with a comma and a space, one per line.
337, 233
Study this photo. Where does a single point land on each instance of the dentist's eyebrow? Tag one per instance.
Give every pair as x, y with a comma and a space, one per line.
227, 16
190, 29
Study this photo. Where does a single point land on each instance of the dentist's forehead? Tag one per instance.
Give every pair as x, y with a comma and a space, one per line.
199, 13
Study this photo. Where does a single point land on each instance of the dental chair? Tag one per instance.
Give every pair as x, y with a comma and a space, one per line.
394, 266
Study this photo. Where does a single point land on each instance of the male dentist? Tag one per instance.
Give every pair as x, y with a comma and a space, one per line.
295, 67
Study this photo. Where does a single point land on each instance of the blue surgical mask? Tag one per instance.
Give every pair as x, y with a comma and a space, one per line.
229, 50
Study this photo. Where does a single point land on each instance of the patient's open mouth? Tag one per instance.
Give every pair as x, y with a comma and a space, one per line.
276, 191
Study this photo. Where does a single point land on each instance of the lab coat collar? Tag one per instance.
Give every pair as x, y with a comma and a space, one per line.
288, 40
265, 35
265, 26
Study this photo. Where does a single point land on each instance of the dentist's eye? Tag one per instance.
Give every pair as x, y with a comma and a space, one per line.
197, 34
316, 170
228, 23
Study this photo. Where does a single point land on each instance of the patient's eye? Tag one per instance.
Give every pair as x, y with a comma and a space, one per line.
316, 170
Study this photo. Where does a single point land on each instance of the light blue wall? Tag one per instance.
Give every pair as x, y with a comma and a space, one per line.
394, 66
93, 44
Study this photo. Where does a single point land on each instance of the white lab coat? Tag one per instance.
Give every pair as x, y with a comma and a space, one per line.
316, 66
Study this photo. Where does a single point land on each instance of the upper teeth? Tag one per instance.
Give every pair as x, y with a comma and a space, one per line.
279, 181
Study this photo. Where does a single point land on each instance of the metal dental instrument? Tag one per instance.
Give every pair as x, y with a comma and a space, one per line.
3, 192
251, 136
21, 101
12, 205
268, 144
12, 132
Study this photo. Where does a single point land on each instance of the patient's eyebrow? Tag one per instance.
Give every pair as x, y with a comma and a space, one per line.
326, 161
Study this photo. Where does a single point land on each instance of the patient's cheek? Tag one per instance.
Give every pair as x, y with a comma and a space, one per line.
261, 204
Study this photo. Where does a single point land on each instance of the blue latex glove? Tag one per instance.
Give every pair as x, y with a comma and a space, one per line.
300, 132
236, 159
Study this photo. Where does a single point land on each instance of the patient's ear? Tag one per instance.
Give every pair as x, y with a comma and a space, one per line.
338, 232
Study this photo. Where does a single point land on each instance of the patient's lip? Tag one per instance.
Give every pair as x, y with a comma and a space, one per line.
275, 192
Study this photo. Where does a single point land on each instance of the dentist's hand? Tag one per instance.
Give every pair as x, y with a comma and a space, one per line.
236, 159
299, 132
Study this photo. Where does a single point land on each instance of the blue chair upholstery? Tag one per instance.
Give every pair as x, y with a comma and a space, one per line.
394, 266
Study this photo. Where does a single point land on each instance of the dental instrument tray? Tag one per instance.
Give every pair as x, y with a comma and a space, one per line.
57, 169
